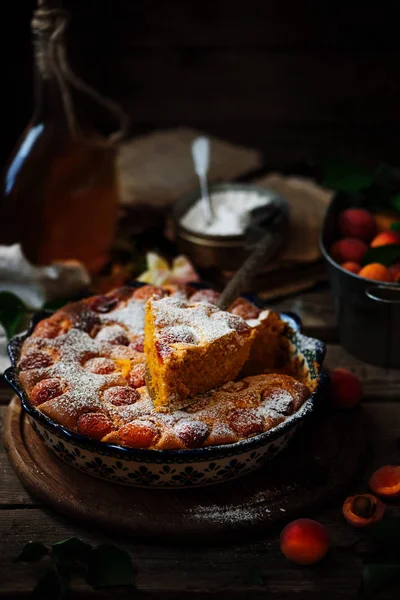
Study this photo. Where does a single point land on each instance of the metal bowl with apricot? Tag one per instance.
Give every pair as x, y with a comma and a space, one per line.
363, 257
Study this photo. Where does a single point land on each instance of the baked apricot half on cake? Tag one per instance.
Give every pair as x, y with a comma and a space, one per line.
191, 348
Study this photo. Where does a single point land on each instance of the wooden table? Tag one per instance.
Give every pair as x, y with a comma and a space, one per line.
222, 571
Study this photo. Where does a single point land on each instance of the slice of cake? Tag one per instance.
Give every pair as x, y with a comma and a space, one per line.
191, 348
270, 352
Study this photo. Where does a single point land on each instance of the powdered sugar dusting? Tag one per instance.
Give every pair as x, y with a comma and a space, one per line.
205, 319
110, 333
131, 315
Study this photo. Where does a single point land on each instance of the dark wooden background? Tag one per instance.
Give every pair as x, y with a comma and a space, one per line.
296, 78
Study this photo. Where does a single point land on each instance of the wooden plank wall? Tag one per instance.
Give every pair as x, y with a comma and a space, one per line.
299, 79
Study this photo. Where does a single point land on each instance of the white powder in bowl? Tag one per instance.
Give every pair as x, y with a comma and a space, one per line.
231, 212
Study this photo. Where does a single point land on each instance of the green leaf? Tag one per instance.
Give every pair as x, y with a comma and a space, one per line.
377, 576
396, 202
386, 532
110, 566
385, 255
32, 552
395, 226
52, 585
70, 552
12, 312
256, 578
342, 176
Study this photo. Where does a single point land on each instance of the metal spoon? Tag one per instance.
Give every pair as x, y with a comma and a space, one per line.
201, 158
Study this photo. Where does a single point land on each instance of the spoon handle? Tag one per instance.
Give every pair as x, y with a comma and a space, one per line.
201, 159
265, 248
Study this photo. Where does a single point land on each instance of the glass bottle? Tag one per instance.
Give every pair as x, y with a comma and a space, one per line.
59, 191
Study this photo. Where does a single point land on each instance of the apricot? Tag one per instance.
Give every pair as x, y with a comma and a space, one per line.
136, 377
50, 329
376, 272
35, 360
103, 304
191, 433
345, 388
357, 223
147, 291
395, 272
45, 390
353, 267
386, 238
121, 395
94, 425
138, 343
246, 422
386, 481
139, 434
363, 510
208, 295
348, 249
245, 309
305, 541
384, 220
100, 365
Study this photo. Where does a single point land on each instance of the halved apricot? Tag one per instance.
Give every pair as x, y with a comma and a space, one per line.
45, 390
139, 434
386, 481
363, 510
95, 425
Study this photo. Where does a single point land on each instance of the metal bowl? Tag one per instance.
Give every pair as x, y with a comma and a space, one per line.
367, 312
224, 252
174, 468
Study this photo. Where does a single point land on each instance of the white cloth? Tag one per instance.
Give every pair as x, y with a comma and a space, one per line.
36, 285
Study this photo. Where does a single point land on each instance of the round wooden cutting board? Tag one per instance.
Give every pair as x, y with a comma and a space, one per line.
314, 471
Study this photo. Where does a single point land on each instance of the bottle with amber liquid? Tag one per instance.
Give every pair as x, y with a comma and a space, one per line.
59, 195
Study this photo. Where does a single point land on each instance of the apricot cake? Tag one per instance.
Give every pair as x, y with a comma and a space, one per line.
84, 367
191, 347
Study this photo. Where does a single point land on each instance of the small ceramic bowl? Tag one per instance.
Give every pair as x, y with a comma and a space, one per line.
173, 468
224, 252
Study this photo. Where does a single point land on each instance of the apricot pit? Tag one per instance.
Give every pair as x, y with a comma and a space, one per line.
363, 510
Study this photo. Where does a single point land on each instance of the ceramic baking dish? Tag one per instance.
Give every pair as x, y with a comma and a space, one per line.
174, 468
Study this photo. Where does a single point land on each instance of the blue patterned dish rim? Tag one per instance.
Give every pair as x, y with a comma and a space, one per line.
317, 347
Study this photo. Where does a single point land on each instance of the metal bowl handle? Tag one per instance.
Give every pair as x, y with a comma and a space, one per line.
384, 294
